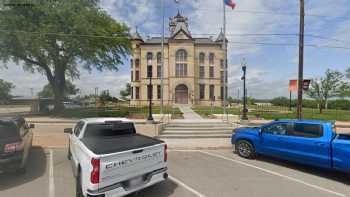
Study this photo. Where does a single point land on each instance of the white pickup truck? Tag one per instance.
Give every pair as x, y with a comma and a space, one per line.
109, 159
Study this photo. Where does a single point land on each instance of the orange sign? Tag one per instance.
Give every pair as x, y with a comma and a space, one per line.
293, 85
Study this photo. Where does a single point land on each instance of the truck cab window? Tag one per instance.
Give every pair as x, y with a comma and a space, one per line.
306, 130
78, 128
276, 129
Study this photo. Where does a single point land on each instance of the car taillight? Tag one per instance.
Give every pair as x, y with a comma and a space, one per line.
165, 153
95, 173
13, 147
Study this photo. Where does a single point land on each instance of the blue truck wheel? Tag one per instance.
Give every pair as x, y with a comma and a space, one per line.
245, 149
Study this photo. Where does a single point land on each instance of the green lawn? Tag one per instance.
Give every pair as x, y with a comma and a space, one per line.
273, 112
121, 111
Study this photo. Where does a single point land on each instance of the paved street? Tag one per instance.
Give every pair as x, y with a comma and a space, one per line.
192, 173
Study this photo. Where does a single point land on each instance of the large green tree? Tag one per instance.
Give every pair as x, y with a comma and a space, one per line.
57, 38
5, 90
70, 89
326, 87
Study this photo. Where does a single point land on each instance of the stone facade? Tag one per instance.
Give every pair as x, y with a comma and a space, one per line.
193, 67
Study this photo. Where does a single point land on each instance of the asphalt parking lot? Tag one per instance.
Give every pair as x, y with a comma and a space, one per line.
192, 174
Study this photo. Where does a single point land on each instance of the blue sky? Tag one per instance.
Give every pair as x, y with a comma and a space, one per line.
269, 67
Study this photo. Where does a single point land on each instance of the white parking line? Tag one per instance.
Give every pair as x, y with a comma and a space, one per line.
274, 173
51, 176
186, 186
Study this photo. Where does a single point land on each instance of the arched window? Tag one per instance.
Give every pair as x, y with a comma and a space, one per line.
211, 58
201, 58
181, 55
159, 58
149, 58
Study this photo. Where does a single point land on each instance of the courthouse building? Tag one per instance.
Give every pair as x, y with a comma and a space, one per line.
193, 67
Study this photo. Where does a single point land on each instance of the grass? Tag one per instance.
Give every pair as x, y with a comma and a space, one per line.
121, 111
274, 112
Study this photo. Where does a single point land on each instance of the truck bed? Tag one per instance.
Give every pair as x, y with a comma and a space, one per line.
108, 145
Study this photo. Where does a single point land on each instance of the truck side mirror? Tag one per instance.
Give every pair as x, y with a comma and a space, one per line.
260, 131
68, 130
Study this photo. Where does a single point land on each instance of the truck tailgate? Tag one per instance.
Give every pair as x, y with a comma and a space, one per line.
123, 166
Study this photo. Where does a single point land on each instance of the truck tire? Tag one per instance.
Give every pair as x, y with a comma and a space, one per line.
245, 149
78, 188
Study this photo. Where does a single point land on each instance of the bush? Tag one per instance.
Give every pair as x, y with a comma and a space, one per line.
339, 104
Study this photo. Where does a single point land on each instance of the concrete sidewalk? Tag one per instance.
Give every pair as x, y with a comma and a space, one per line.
188, 113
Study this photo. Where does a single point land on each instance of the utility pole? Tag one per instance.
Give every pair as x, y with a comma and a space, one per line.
225, 59
301, 61
162, 61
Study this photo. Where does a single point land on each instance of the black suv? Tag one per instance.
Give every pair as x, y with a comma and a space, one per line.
15, 143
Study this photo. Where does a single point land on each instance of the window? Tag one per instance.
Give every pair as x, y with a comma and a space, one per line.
222, 76
149, 91
211, 92
132, 76
222, 64
201, 58
159, 58
181, 70
132, 92
211, 58
222, 93
276, 129
137, 63
201, 72
131, 63
100, 130
201, 91
78, 128
149, 71
181, 55
137, 92
159, 71
137, 75
149, 58
306, 130
211, 71
159, 91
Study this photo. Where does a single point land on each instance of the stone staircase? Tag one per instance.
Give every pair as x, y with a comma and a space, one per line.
209, 129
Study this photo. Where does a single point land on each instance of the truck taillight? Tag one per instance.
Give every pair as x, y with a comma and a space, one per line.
165, 153
13, 147
95, 173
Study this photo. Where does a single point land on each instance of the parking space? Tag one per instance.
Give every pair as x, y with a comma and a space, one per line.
192, 174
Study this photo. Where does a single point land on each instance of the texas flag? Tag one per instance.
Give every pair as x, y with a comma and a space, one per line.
230, 3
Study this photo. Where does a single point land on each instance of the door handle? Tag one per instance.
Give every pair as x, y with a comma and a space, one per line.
320, 143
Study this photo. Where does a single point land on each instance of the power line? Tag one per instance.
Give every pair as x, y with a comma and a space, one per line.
289, 44
64, 34
233, 42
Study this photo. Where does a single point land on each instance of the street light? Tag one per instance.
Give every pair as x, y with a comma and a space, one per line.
245, 110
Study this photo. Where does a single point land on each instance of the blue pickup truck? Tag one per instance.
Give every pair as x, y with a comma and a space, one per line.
308, 142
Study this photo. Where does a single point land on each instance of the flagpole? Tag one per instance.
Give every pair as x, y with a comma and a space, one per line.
225, 58
162, 61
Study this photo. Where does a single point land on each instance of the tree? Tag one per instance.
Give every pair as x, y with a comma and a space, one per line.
326, 87
5, 90
344, 89
280, 101
54, 37
69, 89
126, 93
105, 96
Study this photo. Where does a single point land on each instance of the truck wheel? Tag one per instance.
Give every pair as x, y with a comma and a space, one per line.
245, 149
78, 188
